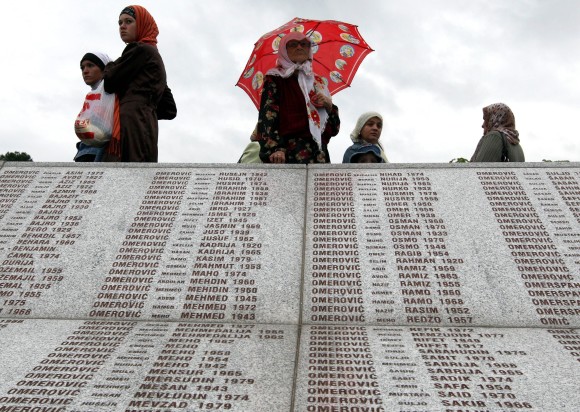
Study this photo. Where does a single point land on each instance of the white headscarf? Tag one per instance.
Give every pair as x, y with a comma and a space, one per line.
306, 80
363, 118
93, 56
103, 57
360, 123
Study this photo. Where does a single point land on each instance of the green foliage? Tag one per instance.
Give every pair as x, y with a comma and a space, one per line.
459, 160
16, 157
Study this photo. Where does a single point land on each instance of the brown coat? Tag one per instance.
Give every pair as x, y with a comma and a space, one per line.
139, 80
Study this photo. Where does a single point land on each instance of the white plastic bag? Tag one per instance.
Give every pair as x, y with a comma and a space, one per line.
94, 124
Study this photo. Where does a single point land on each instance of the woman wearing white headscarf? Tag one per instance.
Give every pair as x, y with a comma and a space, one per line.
367, 130
297, 117
92, 67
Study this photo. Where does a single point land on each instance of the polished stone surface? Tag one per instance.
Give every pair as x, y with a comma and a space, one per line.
287, 288
116, 366
445, 246
181, 243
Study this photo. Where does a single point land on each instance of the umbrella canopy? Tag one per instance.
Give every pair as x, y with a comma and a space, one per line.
338, 50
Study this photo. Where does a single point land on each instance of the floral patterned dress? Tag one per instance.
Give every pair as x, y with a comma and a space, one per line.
283, 123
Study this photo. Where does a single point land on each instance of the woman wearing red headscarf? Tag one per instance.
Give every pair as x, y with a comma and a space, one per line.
139, 81
297, 117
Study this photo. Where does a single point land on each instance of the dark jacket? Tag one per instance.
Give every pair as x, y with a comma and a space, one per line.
492, 145
139, 80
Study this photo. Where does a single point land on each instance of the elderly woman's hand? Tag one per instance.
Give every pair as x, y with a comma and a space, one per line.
324, 100
278, 157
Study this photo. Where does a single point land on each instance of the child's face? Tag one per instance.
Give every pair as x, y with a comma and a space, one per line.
367, 158
91, 72
371, 131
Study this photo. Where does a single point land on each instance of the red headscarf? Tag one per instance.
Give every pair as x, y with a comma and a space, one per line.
147, 30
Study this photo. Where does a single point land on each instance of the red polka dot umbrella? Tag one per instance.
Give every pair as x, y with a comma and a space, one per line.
338, 50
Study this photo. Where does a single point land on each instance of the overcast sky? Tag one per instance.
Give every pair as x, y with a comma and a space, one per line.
436, 64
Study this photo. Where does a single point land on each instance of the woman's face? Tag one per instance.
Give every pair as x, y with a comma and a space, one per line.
371, 131
91, 72
484, 125
127, 28
298, 50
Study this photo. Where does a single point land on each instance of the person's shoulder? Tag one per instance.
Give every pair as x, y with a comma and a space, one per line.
348, 154
140, 48
350, 151
494, 134
148, 48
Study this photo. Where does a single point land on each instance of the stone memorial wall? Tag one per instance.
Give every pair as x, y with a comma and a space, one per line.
289, 288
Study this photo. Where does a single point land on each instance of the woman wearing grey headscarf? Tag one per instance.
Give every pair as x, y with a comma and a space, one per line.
367, 130
501, 140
